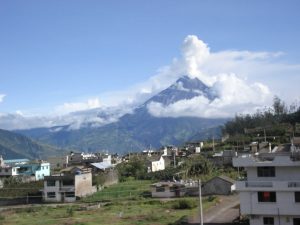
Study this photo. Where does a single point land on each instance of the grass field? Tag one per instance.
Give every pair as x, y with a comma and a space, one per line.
123, 209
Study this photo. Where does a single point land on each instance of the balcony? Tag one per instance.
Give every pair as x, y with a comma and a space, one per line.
268, 185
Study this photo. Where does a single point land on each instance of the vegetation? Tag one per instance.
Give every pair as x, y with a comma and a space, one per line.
13, 145
130, 189
127, 212
277, 122
14, 188
135, 167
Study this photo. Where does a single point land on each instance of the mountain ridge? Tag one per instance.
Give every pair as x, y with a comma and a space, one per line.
138, 130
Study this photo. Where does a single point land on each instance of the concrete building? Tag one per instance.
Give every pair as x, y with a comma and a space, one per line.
167, 190
35, 169
58, 162
270, 194
155, 163
67, 187
219, 185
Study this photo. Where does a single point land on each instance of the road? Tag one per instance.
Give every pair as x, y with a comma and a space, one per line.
222, 213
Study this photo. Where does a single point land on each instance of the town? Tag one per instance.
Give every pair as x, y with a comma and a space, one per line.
255, 181
161, 112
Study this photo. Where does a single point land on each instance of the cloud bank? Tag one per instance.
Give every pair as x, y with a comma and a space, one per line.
244, 81
235, 94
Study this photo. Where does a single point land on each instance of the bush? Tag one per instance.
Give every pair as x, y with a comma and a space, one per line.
184, 204
70, 212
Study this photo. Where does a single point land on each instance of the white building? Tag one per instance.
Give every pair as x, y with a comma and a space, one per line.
271, 192
155, 163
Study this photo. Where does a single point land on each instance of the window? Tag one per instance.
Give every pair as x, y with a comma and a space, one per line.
297, 196
266, 171
51, 195
268, 221
50, 183
172, 189
68, 182
296, 221
266, 196
160, 189
6, 170
70, 194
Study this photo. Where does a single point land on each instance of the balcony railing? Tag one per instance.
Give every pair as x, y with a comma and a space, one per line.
258, 184
268, 185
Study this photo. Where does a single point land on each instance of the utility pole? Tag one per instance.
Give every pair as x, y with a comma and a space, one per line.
265, 134
174, 153
213, 143
200, 203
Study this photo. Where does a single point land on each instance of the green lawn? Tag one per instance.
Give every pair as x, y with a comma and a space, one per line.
126, 190
121, 210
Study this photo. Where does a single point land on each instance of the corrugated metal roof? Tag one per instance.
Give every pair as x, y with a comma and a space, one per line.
102, 165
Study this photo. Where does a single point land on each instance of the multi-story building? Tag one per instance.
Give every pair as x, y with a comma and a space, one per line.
23, 167
270, 193
66, 187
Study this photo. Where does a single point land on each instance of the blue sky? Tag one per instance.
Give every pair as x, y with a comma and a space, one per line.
60, 51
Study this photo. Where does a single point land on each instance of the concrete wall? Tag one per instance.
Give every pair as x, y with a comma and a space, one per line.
167, 193
158, 165
216, 186
281, 174
284, 205
43, 171
83, 185
281, 220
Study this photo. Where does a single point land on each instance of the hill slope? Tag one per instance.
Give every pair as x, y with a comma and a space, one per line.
139, 129
13, 145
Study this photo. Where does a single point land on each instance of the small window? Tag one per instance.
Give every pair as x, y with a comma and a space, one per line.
51, 195
268, 221
6, 170
296, 221
68, 182
70, 194
267, 171
172, 189
160, 189
50, 183
266, 196
297, 196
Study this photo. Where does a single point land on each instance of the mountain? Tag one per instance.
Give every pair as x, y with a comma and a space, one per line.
13, 145
184, 88
138, 130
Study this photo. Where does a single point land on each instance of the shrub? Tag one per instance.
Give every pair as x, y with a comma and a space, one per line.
184, 204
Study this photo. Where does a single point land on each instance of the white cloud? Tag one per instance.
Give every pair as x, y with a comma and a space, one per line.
245, 80
78, 106
2, 96
236, 94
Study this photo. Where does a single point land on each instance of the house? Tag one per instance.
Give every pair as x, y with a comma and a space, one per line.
155, 163
80, 158
219, 185
68, 186
270, 194
167, 190
58, 162
223, 158
38, 169
35, 169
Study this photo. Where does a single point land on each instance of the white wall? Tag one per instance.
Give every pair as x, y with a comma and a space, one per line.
284, 205
281, 174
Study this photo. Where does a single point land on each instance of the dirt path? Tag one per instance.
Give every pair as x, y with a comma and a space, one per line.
224, 212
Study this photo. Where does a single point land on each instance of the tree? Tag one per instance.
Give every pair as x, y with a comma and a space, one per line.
279, 106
